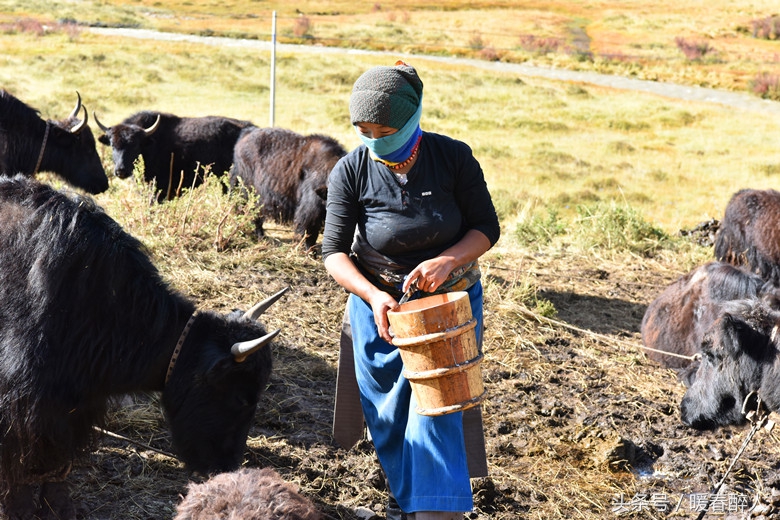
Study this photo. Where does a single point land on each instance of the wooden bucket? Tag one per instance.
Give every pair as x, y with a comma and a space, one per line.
438, 346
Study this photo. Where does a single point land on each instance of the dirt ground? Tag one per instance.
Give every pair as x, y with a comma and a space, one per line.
578, 423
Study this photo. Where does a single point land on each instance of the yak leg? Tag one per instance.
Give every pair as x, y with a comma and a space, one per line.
56, 503
309, 216
307, 229
20, 504
259, 232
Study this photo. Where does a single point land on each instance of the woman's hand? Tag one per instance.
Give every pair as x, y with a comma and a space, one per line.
381, 302
347, 275
430, 274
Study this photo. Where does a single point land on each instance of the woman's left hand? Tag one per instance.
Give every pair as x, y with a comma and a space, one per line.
430, 274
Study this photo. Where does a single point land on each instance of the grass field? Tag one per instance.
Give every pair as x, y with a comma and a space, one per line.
720, 43
543, 145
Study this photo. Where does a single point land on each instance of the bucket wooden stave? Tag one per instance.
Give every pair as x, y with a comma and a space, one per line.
438, 344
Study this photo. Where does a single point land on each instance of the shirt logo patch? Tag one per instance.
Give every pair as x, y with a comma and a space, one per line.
426, 193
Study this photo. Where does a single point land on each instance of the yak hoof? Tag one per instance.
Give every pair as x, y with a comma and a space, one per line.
259, 231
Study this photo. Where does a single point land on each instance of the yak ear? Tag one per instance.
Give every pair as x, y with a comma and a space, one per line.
687, 375
104, 139
742, 336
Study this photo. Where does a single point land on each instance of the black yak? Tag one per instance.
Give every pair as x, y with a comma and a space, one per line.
86, 316
177, 151
749, 234
739, 358
674, 323
289, 172
246, 494
29, 145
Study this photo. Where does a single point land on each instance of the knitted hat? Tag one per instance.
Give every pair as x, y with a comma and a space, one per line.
387, 96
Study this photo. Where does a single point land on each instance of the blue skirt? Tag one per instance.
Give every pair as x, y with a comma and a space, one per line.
424, 457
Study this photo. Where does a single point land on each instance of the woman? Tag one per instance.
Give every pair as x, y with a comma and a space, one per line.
406, 210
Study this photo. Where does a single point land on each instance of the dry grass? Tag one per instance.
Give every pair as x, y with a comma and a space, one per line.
575, 419
543, 145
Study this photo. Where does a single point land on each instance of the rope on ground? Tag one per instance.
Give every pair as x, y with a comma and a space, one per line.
140, 444
681, 356
550, 321
602, 337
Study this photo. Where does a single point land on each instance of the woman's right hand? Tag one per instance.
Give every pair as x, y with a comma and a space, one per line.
341, 268
381, 302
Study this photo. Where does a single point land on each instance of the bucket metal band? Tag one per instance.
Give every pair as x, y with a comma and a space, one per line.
439, 372
459, 407
436, 336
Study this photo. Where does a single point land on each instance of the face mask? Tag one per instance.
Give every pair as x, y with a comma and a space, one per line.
392, 148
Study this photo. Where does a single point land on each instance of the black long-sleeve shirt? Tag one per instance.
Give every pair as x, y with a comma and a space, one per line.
393, 227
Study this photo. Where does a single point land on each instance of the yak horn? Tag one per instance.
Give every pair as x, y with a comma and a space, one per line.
153, 128
101, 125
78, 106
243, 349
261, 307
81, 124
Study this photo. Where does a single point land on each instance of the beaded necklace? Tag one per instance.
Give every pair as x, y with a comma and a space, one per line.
401, 165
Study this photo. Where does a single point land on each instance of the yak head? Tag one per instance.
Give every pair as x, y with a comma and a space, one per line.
213, 390
126, 141
735, 352
70, 150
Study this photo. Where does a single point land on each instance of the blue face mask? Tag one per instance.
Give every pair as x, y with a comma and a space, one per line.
395, 147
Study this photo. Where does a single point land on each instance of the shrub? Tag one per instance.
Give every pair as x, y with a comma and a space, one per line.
537, 45
537, 230
768, 169
30, 25
72, 29
767, 28
694, 50
476, 43
203, 218
506, 204
766, 86
489, 53
616, 227
527, 294
302, 27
